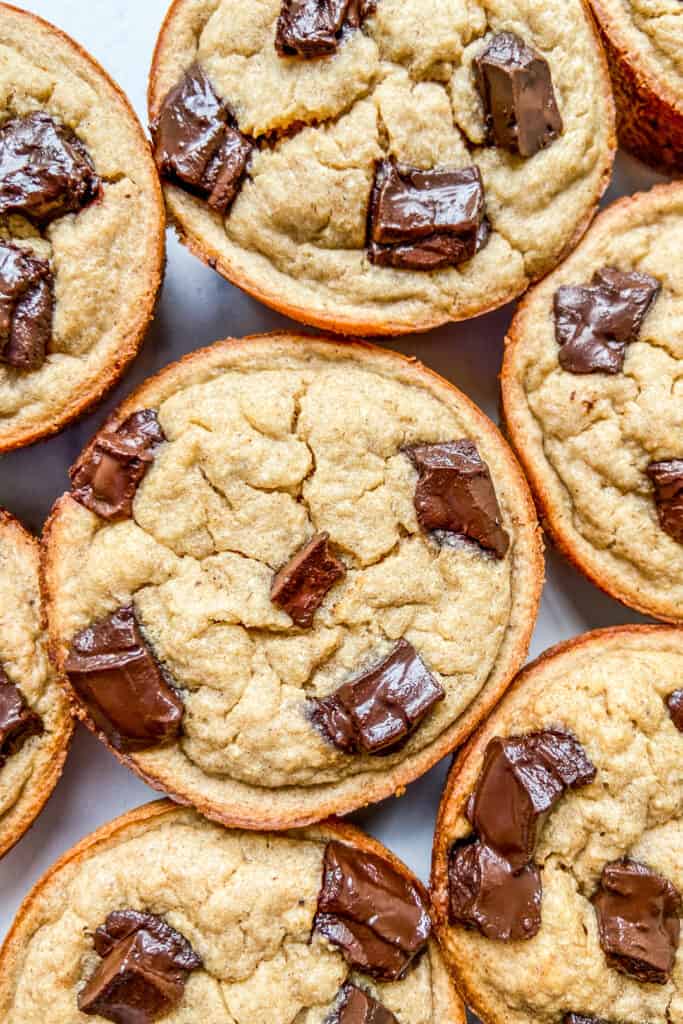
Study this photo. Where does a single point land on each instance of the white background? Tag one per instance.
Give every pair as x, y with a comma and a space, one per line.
198, 307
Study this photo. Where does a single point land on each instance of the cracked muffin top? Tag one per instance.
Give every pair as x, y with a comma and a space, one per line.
557, 869
81, 230
380, 166
290, 576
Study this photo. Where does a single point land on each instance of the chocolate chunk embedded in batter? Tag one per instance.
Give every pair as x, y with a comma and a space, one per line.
375, 915
313, 28
301, 585
667, 478
580, 1018
26, 307
114, 672
675, 705
356, 1006
17, 722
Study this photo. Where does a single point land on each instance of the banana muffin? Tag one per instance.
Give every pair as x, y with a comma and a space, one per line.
558, 873
381, 166
290, 576
81, 230
593, 401
163, 916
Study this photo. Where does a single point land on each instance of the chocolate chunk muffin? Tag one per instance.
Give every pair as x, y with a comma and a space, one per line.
35, 724
593, 403
322, 925
290, 576
557, 875
380, 166
81, 230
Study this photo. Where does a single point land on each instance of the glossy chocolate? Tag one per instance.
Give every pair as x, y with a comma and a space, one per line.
580, 1018
17, 721
373, 914
314, 28
301, 585
667, 478
356, 1006
674, 702
26, 307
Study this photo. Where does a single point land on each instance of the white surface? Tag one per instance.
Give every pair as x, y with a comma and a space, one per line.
198, 307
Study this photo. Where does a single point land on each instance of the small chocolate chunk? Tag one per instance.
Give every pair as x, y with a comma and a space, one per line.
594, 323
454, 493
45, 170
425, 220
378, 711
517, 92
487, 895
26, 306
638, 914
356, 1006
313, 28
106, 478
580, 1018
301, 585
667, 478
116, 675
375, 915
197, 143
17, 722
674, 703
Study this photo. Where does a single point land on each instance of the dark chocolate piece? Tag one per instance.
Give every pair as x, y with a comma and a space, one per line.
114, 672
26, 306
425, 220
301, 585
197, 143
638, 914
378, 711
674, 703
313, 28
17, 722
45, 170
667, 478
375, 915
580, 1018
594, 323
143, 971
356, 1006
106, 478
516, 88
454, 493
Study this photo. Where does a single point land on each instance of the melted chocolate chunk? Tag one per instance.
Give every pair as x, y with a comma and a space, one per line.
301, 585
106, 478
356, 1006
638, 914
114, 672
517, 92
143, 971
425, 220
378, 711
17, 722
667, 478
580, 1018
454, 493
26, 305
313, 28
375, 915
675, 705
594, 323
197, 143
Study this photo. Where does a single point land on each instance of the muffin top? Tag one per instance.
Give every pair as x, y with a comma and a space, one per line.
650, 33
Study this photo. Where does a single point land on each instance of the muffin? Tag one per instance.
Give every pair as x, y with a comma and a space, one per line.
593, 403
557, 871
35, 723
81, 230
290, 576
381, 166
162, 915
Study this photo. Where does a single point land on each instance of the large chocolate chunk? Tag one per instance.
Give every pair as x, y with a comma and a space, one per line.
675, 705
594, 323
313, 28
116, 675
143, 971
45, 170
197, 143
378, 711
517, 92
454, 493
26, 306
375, 915
425, 220
17, 722
580, 1018
356, 1006
667, 478
106, 478
301, 585
638, 914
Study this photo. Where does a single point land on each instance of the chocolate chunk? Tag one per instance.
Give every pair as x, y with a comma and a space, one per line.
106, 478
17, 722
517, 92
638, 914
667, 478
375, 915
675, 705
301, 585
116, 675
26, 305
378, 711
487, 895
143, 971
425, 220
356, 1006
197, 143
454, 493
580, 1018
313, 28
594, 323
45, 170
